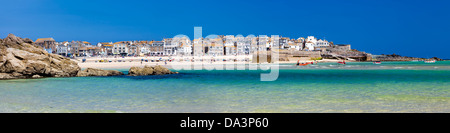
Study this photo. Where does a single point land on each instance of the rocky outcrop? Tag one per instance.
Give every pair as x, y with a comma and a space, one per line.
395, 57
98, 72
148, 70
20, 59
6, 76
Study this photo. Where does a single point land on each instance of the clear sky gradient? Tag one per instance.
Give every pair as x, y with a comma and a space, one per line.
405, 27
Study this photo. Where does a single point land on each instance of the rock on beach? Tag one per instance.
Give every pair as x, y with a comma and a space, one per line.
149, 70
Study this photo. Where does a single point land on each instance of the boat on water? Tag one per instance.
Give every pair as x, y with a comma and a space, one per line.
430, 61
377, 62
303, 64
341, 62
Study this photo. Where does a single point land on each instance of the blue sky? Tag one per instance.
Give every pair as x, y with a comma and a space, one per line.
405, 27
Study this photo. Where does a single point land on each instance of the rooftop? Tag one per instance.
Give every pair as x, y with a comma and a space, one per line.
44, 39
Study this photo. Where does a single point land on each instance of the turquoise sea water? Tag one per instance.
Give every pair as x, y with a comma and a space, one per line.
326, 87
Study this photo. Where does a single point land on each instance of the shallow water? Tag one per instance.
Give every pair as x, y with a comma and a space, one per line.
326, 87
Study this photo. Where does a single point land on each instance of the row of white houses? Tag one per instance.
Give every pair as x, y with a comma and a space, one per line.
181, 45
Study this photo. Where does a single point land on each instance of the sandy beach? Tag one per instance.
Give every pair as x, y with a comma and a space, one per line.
176, 61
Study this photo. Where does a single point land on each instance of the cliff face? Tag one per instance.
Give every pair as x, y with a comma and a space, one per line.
20, 59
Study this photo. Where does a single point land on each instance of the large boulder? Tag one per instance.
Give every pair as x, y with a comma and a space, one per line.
21, 59
98, 72
149, 70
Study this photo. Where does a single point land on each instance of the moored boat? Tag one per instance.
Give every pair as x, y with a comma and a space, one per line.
377, 62
303, 64
341, 62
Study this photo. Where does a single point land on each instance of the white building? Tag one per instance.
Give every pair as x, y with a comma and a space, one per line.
311, 39
144, 49
157, 48
230, 50
284, 42
296, 44
197, 47
322, 43
230, 40
62, 49
309, 46
252, 41
133, 50
180, 45
214, 46
120, 48
185, 49
242, 47
169, 47
263, 43
313, 44
230, 45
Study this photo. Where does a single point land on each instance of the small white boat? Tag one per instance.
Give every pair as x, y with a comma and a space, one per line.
377, 62
430, 61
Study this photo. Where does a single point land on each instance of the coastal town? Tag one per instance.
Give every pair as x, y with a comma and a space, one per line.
46, 57
222, 45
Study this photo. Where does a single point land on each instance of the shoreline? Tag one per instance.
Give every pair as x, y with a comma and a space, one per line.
128, 62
